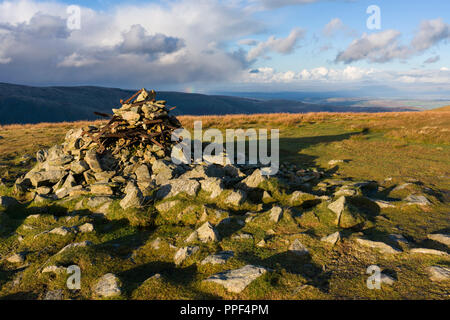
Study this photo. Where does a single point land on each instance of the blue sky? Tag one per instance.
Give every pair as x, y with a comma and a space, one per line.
234, 45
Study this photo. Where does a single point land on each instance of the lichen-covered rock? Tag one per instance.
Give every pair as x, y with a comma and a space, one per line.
298, 248
214, 186
438, 274
332, 238
236, 198
441, 238
133, 198
205, 233
237, 280
276, 213
108, 286
218, 258
184, 253
177, 186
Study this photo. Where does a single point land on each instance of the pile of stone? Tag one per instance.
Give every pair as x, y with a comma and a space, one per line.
106, 160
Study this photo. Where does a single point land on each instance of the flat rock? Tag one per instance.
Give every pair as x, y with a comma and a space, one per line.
95, 202
428, 251
214, 186
108, 286
45, 177
237, 280
381, 246
16, 258
438, 274
441, 238
177, 186
53, 269
417, 200
218, 258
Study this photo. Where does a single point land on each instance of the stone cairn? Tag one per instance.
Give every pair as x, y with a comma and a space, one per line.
107, 159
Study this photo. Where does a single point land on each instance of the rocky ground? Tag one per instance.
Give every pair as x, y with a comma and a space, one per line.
205, 231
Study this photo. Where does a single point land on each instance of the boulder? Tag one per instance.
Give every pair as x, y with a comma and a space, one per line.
237, 280
46, 177
332, 238
350, 211
298, 248
441, 238
236, 198
177, 186
417, 200
428, 251
166, 206
254, 180
380, 246
276, 213
438, 274
205, 233
213, 185
92, 160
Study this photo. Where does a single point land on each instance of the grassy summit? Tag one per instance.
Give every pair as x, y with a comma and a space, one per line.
400, 154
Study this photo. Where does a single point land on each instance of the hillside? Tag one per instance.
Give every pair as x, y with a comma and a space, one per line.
442, 109
24, 104
392, 168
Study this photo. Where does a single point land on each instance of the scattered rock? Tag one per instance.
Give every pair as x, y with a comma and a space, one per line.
108, 286
438, 274
177, 186
218, 258
95, 202
398, 238
75, 245
166, 206
86, 228
387, 279
236, 198
134, 197
16, 258
184, 253
332, 238
53, 269
441, 238
237, 280
205, 233
298, 248
213, 185
54, 295
254, 180
61, 231
276, 214
381, 246
335, 162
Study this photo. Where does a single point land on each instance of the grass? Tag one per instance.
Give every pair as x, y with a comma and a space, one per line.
391, 148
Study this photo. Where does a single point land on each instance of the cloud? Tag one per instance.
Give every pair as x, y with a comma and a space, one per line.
284, 45
336, 26
274, 4
432, 60
430, 33
385, 46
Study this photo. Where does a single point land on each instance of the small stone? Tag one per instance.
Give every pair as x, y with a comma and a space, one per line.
95, 202
156, 244
276, 214
335, 162
142, 173
254, 180
261, 243
54, 295
417, 200
298, 248
218, 258
205, 234
75, 245
398, 238
184, 253
177, 186
108, 286
237, 280
101, 189
438, 274
78, 167
53, 269
332, 238
386, 279
61, 231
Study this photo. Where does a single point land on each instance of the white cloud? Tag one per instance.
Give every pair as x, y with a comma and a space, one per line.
432, 59
283, 45
430, 33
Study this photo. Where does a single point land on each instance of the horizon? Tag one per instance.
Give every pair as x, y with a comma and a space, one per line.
211, 47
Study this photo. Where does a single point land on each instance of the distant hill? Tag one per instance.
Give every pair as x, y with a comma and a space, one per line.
25, 104
446, 109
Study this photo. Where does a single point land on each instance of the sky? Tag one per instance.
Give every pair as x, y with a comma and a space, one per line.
206, 46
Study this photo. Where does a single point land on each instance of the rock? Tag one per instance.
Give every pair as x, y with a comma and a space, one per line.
386, 279
298, 197
332, 238
417, 200
212, 185
86, 228
398, 238
78, 167
53, 269
236, 198
218, 258
131, 116
261, 244
7, 202
441, 238
75, 245
161, 166
56, 157
16, 258
184, 253
41, 156
46, 177
108, 286
61, 231
92, 160
428, 251
348, 215
276, 214
54, 295
438, 274
298, 248
242, 236
156, 244
205, 233
237, 280
383, 204
381, 246
166, 206
177, 186
335, 162
95, 202
133, 198
267, 197
254, 180
143, 174
101, 189
43, 190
